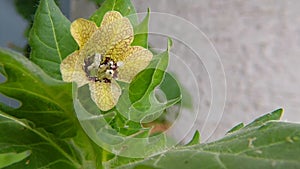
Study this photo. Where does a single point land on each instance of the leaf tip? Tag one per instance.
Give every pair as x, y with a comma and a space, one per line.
275, 115
235, 128
278, 113
195, 140
170, 44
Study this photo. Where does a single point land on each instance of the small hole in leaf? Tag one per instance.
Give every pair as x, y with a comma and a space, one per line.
2, 78
10, 102
160, 95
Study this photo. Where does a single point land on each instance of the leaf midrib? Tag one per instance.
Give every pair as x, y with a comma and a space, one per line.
37, 95
245, 132
215, 154
53, 31
31, 92
42, 136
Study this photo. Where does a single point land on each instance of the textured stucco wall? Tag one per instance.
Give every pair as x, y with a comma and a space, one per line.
258, 43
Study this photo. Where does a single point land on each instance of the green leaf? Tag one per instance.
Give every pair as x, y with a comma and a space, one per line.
7, 159
46, 151
141, 32
236, 128
141, 102
146, 81
275, 115
195, 140
50, 38
113, 133
267, 145
125, 7
170, 87
45, 101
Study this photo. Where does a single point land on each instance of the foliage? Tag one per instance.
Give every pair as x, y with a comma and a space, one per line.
27, 9
49, 128
263, 143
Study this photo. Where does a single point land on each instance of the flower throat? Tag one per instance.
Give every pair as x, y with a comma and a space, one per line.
100, 69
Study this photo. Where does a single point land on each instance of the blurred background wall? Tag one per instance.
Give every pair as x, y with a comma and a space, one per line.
258, 42
12, 25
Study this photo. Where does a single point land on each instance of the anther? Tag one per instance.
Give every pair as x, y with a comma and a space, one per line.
110, 72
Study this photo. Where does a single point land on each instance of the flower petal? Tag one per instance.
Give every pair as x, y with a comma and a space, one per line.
118, 52
110, 17
80, 78
67, 66
70, 70
137, 59
82, 30
105, 95
110, 37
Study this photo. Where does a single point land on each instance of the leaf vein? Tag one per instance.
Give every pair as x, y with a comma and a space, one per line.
35, 94
40, 40
54, 33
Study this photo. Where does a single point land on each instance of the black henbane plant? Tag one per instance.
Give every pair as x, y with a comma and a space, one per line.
111, 116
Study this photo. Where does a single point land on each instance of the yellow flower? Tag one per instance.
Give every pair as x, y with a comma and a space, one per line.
104, 55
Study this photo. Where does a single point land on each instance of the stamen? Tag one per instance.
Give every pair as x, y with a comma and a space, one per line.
101, 69
98, 58
109, 71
